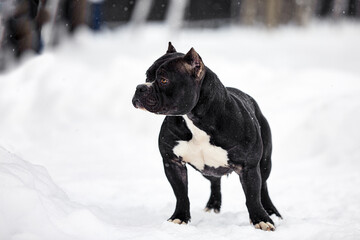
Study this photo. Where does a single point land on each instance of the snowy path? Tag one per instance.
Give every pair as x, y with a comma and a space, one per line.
70, 112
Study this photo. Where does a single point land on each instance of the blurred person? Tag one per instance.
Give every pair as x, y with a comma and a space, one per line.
73, 13
68, 15
6, 9
23, 21
96, 14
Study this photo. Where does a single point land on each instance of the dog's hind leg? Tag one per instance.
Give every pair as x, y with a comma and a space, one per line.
266, 201
250, 178
215, 196
265, 162
265, 168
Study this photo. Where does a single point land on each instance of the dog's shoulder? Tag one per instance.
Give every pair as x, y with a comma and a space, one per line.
243, 100
239, 95
173, 130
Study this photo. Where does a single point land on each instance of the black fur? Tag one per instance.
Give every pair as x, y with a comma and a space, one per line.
183, 85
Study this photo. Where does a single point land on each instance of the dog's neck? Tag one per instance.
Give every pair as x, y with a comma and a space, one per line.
213, 97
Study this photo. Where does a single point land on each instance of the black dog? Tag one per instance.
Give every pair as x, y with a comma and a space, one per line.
217, 130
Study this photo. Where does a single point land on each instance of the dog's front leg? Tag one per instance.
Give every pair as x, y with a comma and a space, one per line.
215, 196
176, 173
251, 181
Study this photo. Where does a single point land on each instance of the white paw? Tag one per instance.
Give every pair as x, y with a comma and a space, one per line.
265, 226
177, 221
209, 210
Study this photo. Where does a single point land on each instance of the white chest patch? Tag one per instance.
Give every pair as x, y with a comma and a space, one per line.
198, 151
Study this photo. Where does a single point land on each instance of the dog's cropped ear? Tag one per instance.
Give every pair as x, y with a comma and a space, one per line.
171, 48
195, 64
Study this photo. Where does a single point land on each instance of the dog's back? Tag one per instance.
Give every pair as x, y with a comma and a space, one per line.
251, 105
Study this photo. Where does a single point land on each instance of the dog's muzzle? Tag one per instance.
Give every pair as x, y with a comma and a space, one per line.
144, 98
139, 93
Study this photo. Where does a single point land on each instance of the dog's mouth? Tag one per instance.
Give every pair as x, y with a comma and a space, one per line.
149, 103
152, 105
137, 104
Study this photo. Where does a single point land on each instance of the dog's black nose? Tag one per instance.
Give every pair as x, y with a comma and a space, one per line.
141, 88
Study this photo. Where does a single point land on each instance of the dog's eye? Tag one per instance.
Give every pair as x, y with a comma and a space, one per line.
164, 81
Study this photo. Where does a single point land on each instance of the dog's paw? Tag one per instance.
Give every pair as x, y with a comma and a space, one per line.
177, 221
265, 226
213, 204
180, 217
208, 209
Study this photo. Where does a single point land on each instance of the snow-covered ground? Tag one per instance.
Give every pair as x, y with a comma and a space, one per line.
77, 161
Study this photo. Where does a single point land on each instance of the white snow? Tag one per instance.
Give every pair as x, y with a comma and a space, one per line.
69, 112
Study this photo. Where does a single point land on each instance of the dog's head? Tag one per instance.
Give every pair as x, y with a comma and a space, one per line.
172, 85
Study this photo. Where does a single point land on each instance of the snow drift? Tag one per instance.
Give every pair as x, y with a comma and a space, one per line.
33, 207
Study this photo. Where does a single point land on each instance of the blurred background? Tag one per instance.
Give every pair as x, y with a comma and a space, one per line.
78, 161
31, 25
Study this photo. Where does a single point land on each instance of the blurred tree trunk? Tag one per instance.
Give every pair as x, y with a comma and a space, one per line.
354, 8
141, 12
325, 7
235, 12
248, 11
273, 12
340, 8
176, 13
288, 9
303, 11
